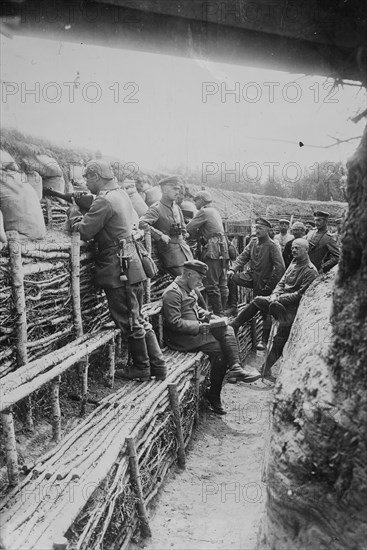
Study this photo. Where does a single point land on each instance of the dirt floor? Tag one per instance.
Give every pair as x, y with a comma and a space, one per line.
218, 500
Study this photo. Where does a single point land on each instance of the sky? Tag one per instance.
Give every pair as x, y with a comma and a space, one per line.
162, 111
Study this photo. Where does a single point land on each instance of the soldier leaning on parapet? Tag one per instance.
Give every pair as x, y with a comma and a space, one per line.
283, 302
207, 226
168, 227
119, 270
324, 252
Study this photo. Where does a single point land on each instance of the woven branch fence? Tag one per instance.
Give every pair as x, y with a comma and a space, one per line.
87, 486
94, 484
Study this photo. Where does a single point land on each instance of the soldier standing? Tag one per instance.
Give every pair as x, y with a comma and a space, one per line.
207, 225
299, 231
283, 237
168, 228
119, 271
266, 267
324, 252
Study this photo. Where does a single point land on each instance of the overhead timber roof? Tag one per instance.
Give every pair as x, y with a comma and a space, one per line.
327, 37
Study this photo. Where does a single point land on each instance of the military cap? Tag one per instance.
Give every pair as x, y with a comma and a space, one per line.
204, 196
283, 220
100, 168
321, 214
263, 221
172, 181
196, 265
299, 224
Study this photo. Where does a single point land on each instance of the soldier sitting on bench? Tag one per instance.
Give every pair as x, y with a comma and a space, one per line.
283, 303
187, 328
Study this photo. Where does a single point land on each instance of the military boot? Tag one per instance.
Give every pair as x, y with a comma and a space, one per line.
158, 367
245, 315
140, 368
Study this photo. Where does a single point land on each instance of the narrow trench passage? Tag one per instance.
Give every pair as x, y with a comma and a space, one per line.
218, 500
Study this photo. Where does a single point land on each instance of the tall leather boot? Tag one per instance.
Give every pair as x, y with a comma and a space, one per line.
217, 373
158, 367
232, 298
214, 300
139, 354
245, 315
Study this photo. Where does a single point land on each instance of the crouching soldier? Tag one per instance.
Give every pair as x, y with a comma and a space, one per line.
119, 271
187, 328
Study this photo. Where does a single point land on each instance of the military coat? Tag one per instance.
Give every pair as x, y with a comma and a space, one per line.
111, 217
162, 217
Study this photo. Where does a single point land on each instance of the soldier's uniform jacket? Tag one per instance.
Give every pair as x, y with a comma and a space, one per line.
181, 317
323, 252
111, 217
266, 264
295, 282
160, 217
207, 223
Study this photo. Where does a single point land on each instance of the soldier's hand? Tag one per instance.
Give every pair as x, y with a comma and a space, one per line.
204, 328
165, 238
230, 274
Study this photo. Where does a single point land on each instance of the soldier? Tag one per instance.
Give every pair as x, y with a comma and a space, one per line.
266, 266
186, 328
168, 227
310, 226
118, 268
324, 252
299, 231
207, 226
283, 236
283, 302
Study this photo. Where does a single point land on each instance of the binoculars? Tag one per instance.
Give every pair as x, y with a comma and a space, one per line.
175, 230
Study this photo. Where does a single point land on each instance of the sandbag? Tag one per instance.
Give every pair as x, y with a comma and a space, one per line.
46, 166
57, 183
20, 206
153, 195
6, 161
35, 181
138, 203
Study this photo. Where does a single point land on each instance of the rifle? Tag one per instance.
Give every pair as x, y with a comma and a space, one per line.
82, 198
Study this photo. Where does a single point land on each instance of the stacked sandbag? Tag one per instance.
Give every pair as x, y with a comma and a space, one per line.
49, 170
35, 181
6, 161
137, 201
20, 205
152, 195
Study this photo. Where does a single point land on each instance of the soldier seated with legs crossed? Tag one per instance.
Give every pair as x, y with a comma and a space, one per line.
283, 303
186, 328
